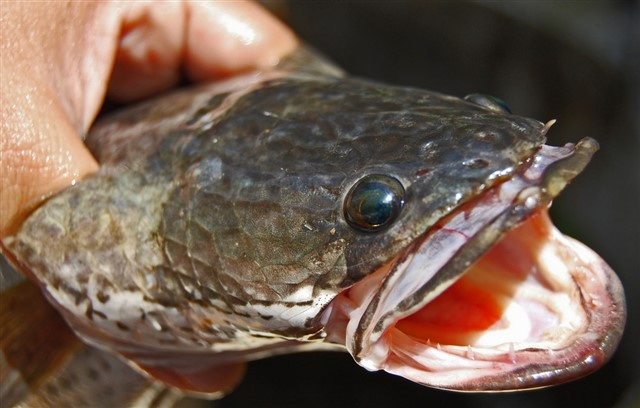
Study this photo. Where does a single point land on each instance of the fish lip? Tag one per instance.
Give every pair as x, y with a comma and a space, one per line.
593, 348
602, 299
549, 171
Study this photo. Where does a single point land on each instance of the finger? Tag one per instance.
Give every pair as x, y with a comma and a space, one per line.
225, 38
38, 156
150, 50
54, 76
208, 40
52, 82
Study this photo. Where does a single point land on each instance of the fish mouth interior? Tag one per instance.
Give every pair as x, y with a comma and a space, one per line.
517, 295
494, 298
537, 309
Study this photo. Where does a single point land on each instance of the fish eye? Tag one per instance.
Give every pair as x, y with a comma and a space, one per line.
489, 102
374, 202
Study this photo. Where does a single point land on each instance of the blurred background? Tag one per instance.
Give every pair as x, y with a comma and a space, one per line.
574, 61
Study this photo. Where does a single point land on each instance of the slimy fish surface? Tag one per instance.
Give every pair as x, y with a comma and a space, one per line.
301, 209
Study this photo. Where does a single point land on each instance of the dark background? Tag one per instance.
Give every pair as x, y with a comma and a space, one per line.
575, 61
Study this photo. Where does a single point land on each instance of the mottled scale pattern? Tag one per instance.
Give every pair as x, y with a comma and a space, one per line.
216, 216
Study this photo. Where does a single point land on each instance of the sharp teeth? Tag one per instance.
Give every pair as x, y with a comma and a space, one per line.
512, 353
470, 354
547, 126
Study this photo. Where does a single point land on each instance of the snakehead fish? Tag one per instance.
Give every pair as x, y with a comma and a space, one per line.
298, 208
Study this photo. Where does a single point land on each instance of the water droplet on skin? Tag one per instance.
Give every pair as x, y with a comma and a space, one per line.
429, 147
530, 197
476, 163
485, 136
531, 202
155, 324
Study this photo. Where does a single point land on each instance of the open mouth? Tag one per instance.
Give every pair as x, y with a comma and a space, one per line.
493, 298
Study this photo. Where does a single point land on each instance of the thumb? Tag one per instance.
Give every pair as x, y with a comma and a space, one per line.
55, 63
205, 40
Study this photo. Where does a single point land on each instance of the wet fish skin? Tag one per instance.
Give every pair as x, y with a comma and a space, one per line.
43, 364
214, 230
244, 211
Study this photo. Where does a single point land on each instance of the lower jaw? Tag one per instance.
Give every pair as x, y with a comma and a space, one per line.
519, 291
537, 309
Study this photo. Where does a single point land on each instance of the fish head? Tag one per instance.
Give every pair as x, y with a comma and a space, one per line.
279, 213
314, 184
470, 287
444, 265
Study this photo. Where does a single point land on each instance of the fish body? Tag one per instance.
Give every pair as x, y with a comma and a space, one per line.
298, 208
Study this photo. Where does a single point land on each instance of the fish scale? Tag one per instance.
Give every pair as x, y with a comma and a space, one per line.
215, 230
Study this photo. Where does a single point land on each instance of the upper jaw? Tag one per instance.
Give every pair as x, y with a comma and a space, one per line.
553, 317
558, 309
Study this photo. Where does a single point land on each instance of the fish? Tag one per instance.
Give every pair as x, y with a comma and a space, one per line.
298, 208
43, 364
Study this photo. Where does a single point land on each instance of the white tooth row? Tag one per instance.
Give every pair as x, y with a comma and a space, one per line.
517, 327
536, 316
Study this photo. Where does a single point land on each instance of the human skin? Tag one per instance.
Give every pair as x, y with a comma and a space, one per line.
60, 59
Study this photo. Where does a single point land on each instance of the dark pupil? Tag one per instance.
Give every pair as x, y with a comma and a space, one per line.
374, 205
374, 202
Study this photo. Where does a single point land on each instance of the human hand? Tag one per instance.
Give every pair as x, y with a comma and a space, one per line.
60, 59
